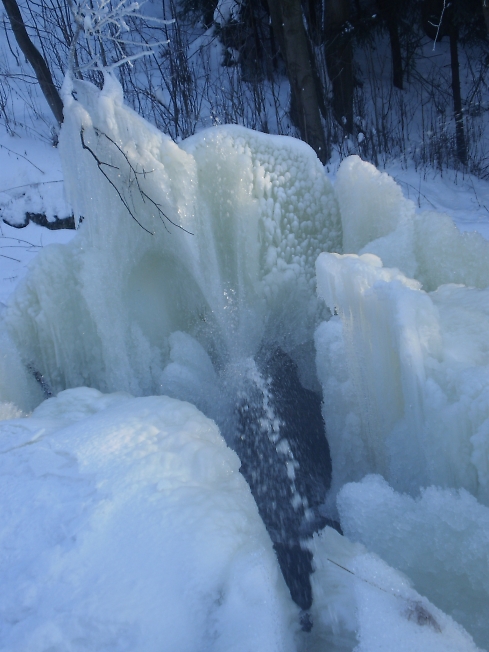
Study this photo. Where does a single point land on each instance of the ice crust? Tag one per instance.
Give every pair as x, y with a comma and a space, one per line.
125, 525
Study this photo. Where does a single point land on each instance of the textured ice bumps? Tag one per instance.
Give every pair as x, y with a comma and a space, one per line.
216, 237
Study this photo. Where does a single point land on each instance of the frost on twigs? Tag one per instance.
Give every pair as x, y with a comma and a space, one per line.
109, 34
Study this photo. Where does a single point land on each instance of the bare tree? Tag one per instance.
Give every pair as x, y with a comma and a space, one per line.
390, 12
288, 25
339, 60
35, 58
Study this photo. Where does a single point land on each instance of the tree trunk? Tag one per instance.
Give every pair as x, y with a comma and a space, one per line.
339, 61
288, 25
389, 10
36, 60
34, 57
457, 97
485, 11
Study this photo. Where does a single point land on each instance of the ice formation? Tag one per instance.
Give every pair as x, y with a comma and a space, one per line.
427, 246
193, 274
192, 263
404, 368
404, 371
252, 213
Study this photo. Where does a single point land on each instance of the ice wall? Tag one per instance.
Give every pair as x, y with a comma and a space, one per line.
405, 376
215, 237
404, 367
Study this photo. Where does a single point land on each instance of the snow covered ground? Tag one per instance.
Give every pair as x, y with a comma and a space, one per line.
124, 522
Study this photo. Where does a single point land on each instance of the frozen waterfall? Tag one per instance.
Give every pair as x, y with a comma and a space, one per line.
338, 339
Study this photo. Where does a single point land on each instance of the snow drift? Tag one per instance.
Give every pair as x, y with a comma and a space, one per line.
126, 525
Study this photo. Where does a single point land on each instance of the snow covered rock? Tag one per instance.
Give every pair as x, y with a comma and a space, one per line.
125, 525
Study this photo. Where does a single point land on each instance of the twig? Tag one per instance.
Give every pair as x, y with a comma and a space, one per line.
21, 156
34, 185
414, 188
415, 607
99, 165
144, 195
9, 257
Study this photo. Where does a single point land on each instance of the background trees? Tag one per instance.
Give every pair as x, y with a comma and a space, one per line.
382, 78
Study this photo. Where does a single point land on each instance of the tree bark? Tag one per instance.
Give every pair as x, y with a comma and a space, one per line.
35, 58
339, 61
389, 10
457, 97
288, 25
485, 11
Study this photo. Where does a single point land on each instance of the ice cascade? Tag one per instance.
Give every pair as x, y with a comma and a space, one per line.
193, 267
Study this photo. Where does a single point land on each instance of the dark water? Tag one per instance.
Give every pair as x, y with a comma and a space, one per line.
286, 461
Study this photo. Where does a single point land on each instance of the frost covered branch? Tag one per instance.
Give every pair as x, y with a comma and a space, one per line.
107, 21
145, 197
438, 25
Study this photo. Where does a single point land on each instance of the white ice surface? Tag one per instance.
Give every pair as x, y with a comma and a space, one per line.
125, 525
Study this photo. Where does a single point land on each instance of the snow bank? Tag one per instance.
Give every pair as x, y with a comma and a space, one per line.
125, 525
216, 238
359, 599
440, 539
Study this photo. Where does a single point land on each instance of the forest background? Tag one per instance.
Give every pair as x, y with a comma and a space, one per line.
386, 80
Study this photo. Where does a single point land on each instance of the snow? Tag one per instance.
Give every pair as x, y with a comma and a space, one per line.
388, 613
125, 521
439, 539
32, 180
